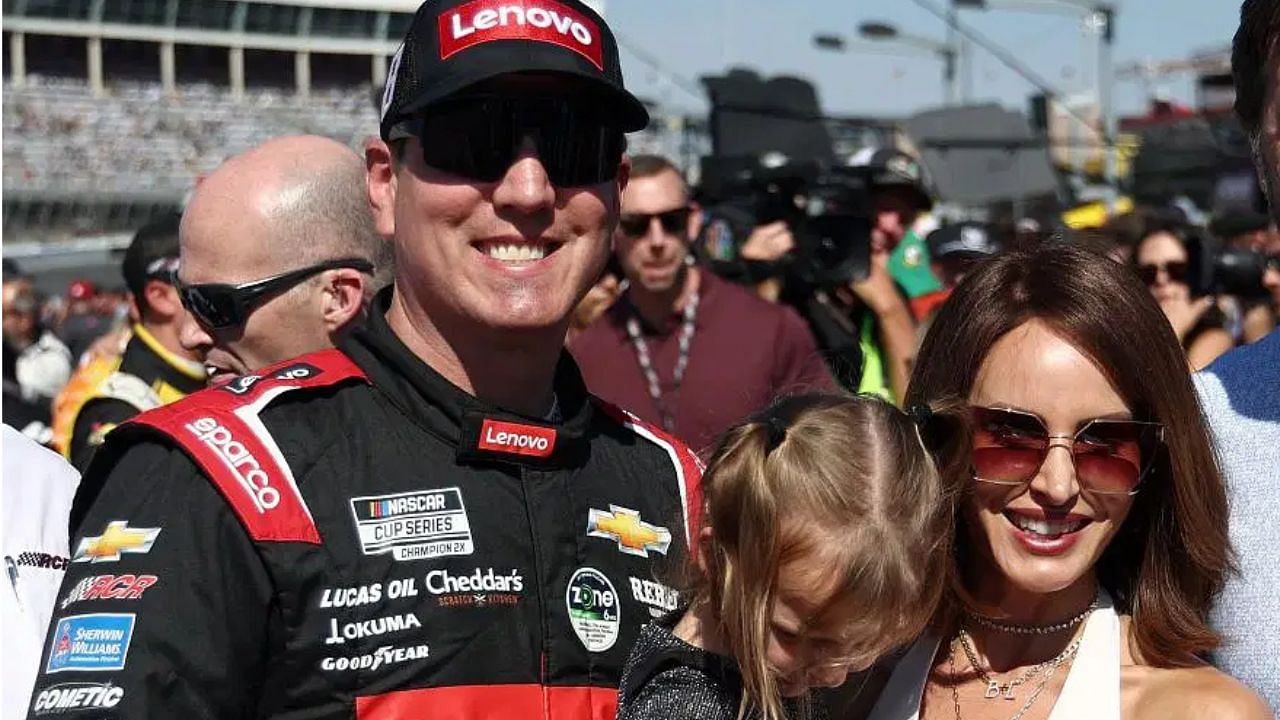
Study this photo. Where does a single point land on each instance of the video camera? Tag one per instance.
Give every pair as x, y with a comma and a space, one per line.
1215, 270
827, 209
772, 160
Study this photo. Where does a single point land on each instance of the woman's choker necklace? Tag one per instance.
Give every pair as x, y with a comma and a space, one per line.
1049, 629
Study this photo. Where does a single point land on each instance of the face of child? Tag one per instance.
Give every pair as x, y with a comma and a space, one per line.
809, 643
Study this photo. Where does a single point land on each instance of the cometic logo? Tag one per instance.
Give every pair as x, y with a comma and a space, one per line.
504, 437
239, 460
546, 21
77, 696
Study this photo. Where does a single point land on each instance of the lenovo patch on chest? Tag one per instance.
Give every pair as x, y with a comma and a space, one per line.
416, 525
509, 438
545, 21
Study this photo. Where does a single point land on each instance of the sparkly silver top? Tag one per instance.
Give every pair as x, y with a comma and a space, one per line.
666, 678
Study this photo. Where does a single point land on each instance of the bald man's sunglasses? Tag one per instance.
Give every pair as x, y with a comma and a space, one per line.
218, 306
479, 137
1111, 456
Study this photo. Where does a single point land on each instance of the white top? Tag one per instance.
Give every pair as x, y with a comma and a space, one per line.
1092, 689
36, 489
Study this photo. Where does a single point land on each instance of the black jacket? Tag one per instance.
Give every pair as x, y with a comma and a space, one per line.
347, 534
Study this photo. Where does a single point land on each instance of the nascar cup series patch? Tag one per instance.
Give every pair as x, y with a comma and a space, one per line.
595, 609
415, 525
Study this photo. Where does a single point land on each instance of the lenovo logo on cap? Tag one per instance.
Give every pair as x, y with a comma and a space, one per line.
516, 439
546, 21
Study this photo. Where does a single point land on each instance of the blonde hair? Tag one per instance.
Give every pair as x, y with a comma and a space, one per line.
849, 475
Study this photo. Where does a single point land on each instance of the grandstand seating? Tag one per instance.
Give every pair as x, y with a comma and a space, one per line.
58, 137
138, 140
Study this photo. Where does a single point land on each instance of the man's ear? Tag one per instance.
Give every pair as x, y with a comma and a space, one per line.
703, 548
343, 298
380, 182
695, 221
624, 176
162, 300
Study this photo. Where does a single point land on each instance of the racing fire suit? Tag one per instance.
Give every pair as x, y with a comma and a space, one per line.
348, 535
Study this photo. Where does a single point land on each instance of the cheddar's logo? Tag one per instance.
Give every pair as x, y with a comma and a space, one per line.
633, 535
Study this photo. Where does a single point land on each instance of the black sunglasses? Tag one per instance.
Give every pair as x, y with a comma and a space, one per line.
218, 306
1177, 272
674, 222
479, 137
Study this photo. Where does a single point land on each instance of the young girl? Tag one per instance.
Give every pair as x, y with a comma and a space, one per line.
825, 544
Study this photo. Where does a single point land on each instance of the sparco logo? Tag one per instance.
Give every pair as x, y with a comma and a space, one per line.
535, 20
296, 371
239, 460
77, 696
517, 439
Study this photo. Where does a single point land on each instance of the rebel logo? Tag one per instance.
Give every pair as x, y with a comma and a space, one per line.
517, 439
545, 21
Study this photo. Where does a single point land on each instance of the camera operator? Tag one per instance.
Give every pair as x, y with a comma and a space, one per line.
681, 347
820, 239
1248, 231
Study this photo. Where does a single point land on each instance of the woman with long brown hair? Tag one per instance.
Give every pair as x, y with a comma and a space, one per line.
1091, 532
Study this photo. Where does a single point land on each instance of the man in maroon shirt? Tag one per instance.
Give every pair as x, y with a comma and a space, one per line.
682, 348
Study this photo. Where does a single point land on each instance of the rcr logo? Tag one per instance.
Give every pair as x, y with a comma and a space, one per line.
238, 458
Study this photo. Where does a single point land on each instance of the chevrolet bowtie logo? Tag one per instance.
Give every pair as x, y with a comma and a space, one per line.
117, 538
633, 535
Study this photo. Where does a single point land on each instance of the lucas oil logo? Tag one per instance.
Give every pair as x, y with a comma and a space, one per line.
545, 21
414, 525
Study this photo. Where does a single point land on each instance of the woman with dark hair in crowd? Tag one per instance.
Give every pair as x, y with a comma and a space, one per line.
1163, 261
1091, 535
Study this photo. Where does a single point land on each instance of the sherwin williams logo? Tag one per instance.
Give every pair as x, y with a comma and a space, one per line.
517, 439
546, 21
116, 539
414, 525
633, 535
91, 642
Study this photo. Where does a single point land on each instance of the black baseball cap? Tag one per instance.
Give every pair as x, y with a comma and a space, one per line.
966, 240
454, 44
890, 167
152, 254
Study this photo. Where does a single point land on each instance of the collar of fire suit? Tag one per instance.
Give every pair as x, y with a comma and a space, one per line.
481, 432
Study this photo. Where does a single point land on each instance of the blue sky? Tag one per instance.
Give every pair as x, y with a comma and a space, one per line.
695, 37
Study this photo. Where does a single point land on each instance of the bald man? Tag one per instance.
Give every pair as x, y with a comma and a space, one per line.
279, 255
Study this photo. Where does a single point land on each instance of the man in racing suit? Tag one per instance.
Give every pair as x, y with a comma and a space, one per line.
153, 369
433, 519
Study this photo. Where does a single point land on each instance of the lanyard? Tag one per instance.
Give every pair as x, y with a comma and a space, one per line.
682, 361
